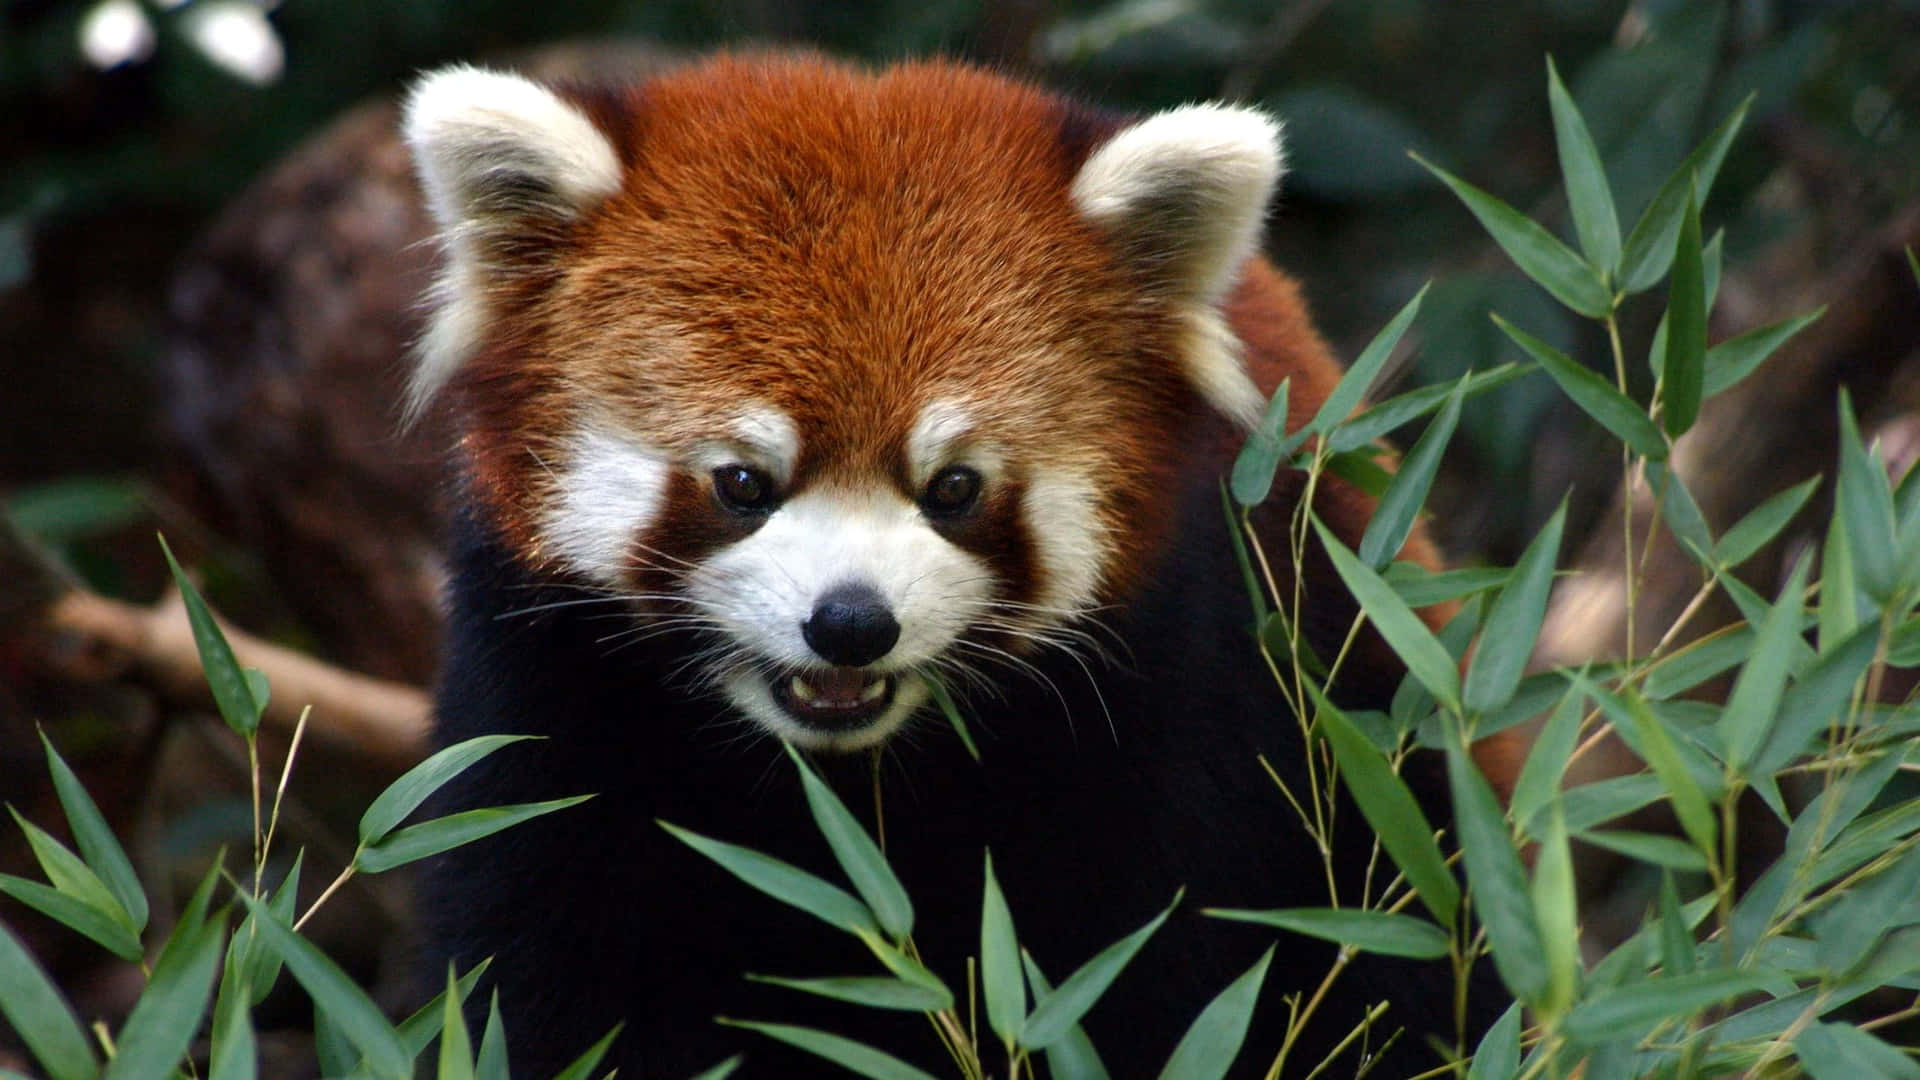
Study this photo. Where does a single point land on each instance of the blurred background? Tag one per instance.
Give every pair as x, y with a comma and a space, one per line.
210, 256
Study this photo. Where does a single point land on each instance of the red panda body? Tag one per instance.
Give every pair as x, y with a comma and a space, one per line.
786, 387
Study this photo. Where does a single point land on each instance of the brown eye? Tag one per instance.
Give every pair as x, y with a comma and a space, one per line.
743, 489
952, 491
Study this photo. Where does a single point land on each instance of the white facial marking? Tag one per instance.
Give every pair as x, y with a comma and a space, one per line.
766, 437
607, 491
764, 587
936, 437
1069, 538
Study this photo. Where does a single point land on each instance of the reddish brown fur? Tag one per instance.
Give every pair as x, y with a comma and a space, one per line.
787, 234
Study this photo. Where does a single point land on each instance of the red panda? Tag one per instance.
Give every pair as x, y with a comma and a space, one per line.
784, 387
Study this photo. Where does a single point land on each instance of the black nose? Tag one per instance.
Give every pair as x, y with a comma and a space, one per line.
850, 626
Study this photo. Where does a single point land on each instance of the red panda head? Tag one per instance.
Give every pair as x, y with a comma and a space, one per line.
867, 376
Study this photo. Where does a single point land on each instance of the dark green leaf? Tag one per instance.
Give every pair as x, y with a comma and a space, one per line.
1698, 661
786, 883
1683, 515
103, 853
100, 927
1390, 808
1423, 654
1498, 1055
1749, 714
1844, 1052
456, 1045
582, 1067
1420, 587
248, 961
1054, 1015
1397, 411
1650, 848
40, 1017
231, 690
1865, 912
70, 874
1393, 518
844, 1052
1736, 358
875, 991
944, 699
1547, 759
1252, 475
1352, 388
1817, 697
1596, 397
1758, 528
1866, 501
419, 1030
1601, 801
159, 1031
1499, 883
335, 995
1386, 933
1682, 368
1073, 1057
1588, 197
1676, 933
1550, 263
414, 787
1556, 908
857, 854
491, 1063
1839, 609
1212, 1042
1649, 738
1000, 981
1506, 640
1649, 248
1674, 997
416, 842
724, 1069
235, 1052
67, 510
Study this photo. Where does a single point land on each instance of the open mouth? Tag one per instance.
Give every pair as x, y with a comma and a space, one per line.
834, 699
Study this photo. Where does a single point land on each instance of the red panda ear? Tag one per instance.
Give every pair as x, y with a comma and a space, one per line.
500, 158
1184, 195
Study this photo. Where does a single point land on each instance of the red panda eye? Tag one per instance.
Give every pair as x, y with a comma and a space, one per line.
743, 489
952, 491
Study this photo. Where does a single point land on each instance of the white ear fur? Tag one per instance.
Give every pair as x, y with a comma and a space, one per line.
499, 156
1184, 193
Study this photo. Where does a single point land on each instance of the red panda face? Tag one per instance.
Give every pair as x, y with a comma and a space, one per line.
868, 378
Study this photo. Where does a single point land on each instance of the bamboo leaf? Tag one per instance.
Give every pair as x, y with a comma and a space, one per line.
1588, 197
416, 842
1499, 883
418, 1031
40, 1016
234, 1054
232, 691
1596, 397
155, 1039
1423, 654
1386, 933
1212, 1042
1393, 518
1683, 515
1836, 1051
1253, 469
335, 995
1506, 640
1073, 1057
1550, 263
724, 1069
1352, 388
1676, 933
1498, 1055
1401, 409
1734, 359
1866, 500
69, 874
944, 699
1750, 711
1682, 368
100, 927
1000, 981
1762, 524
456, 1044
874, 991
1390, 808
1650, 246
1055, 1014
419, 783
98, 847
582, 1067
784, 882
844, 1052
1816, 697
491, 1062
1547, 760
857, 854
1649, 848
1556, 908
